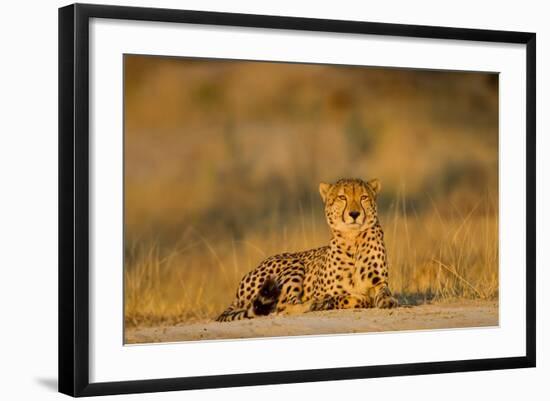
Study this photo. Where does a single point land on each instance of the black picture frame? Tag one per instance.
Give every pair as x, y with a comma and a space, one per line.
74, 198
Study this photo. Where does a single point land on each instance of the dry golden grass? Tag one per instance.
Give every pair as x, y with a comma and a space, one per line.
433, 258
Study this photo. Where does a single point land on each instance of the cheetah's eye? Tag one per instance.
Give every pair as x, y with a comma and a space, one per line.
342, 197
364, 197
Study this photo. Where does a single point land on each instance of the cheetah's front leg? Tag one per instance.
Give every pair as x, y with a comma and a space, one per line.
383, 297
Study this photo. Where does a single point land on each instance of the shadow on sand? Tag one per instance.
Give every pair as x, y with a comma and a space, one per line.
414, 299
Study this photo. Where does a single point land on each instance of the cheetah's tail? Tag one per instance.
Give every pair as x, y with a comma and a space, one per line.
234, 313
263, 304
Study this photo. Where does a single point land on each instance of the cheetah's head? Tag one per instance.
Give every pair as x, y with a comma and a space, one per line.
350, 204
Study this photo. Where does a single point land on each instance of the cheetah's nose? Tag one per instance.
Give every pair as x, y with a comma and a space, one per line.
354, 214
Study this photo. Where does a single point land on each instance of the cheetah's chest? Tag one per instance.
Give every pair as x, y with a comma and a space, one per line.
350, 268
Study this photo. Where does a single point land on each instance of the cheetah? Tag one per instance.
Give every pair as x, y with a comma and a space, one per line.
351, 272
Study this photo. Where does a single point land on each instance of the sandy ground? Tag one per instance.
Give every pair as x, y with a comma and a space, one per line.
436, 316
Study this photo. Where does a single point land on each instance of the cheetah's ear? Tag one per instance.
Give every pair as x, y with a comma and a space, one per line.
375, 185
323, 190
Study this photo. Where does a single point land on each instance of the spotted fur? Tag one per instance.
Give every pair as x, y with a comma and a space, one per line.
350, 272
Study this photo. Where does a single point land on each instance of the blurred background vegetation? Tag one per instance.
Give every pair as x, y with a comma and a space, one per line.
223, 160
